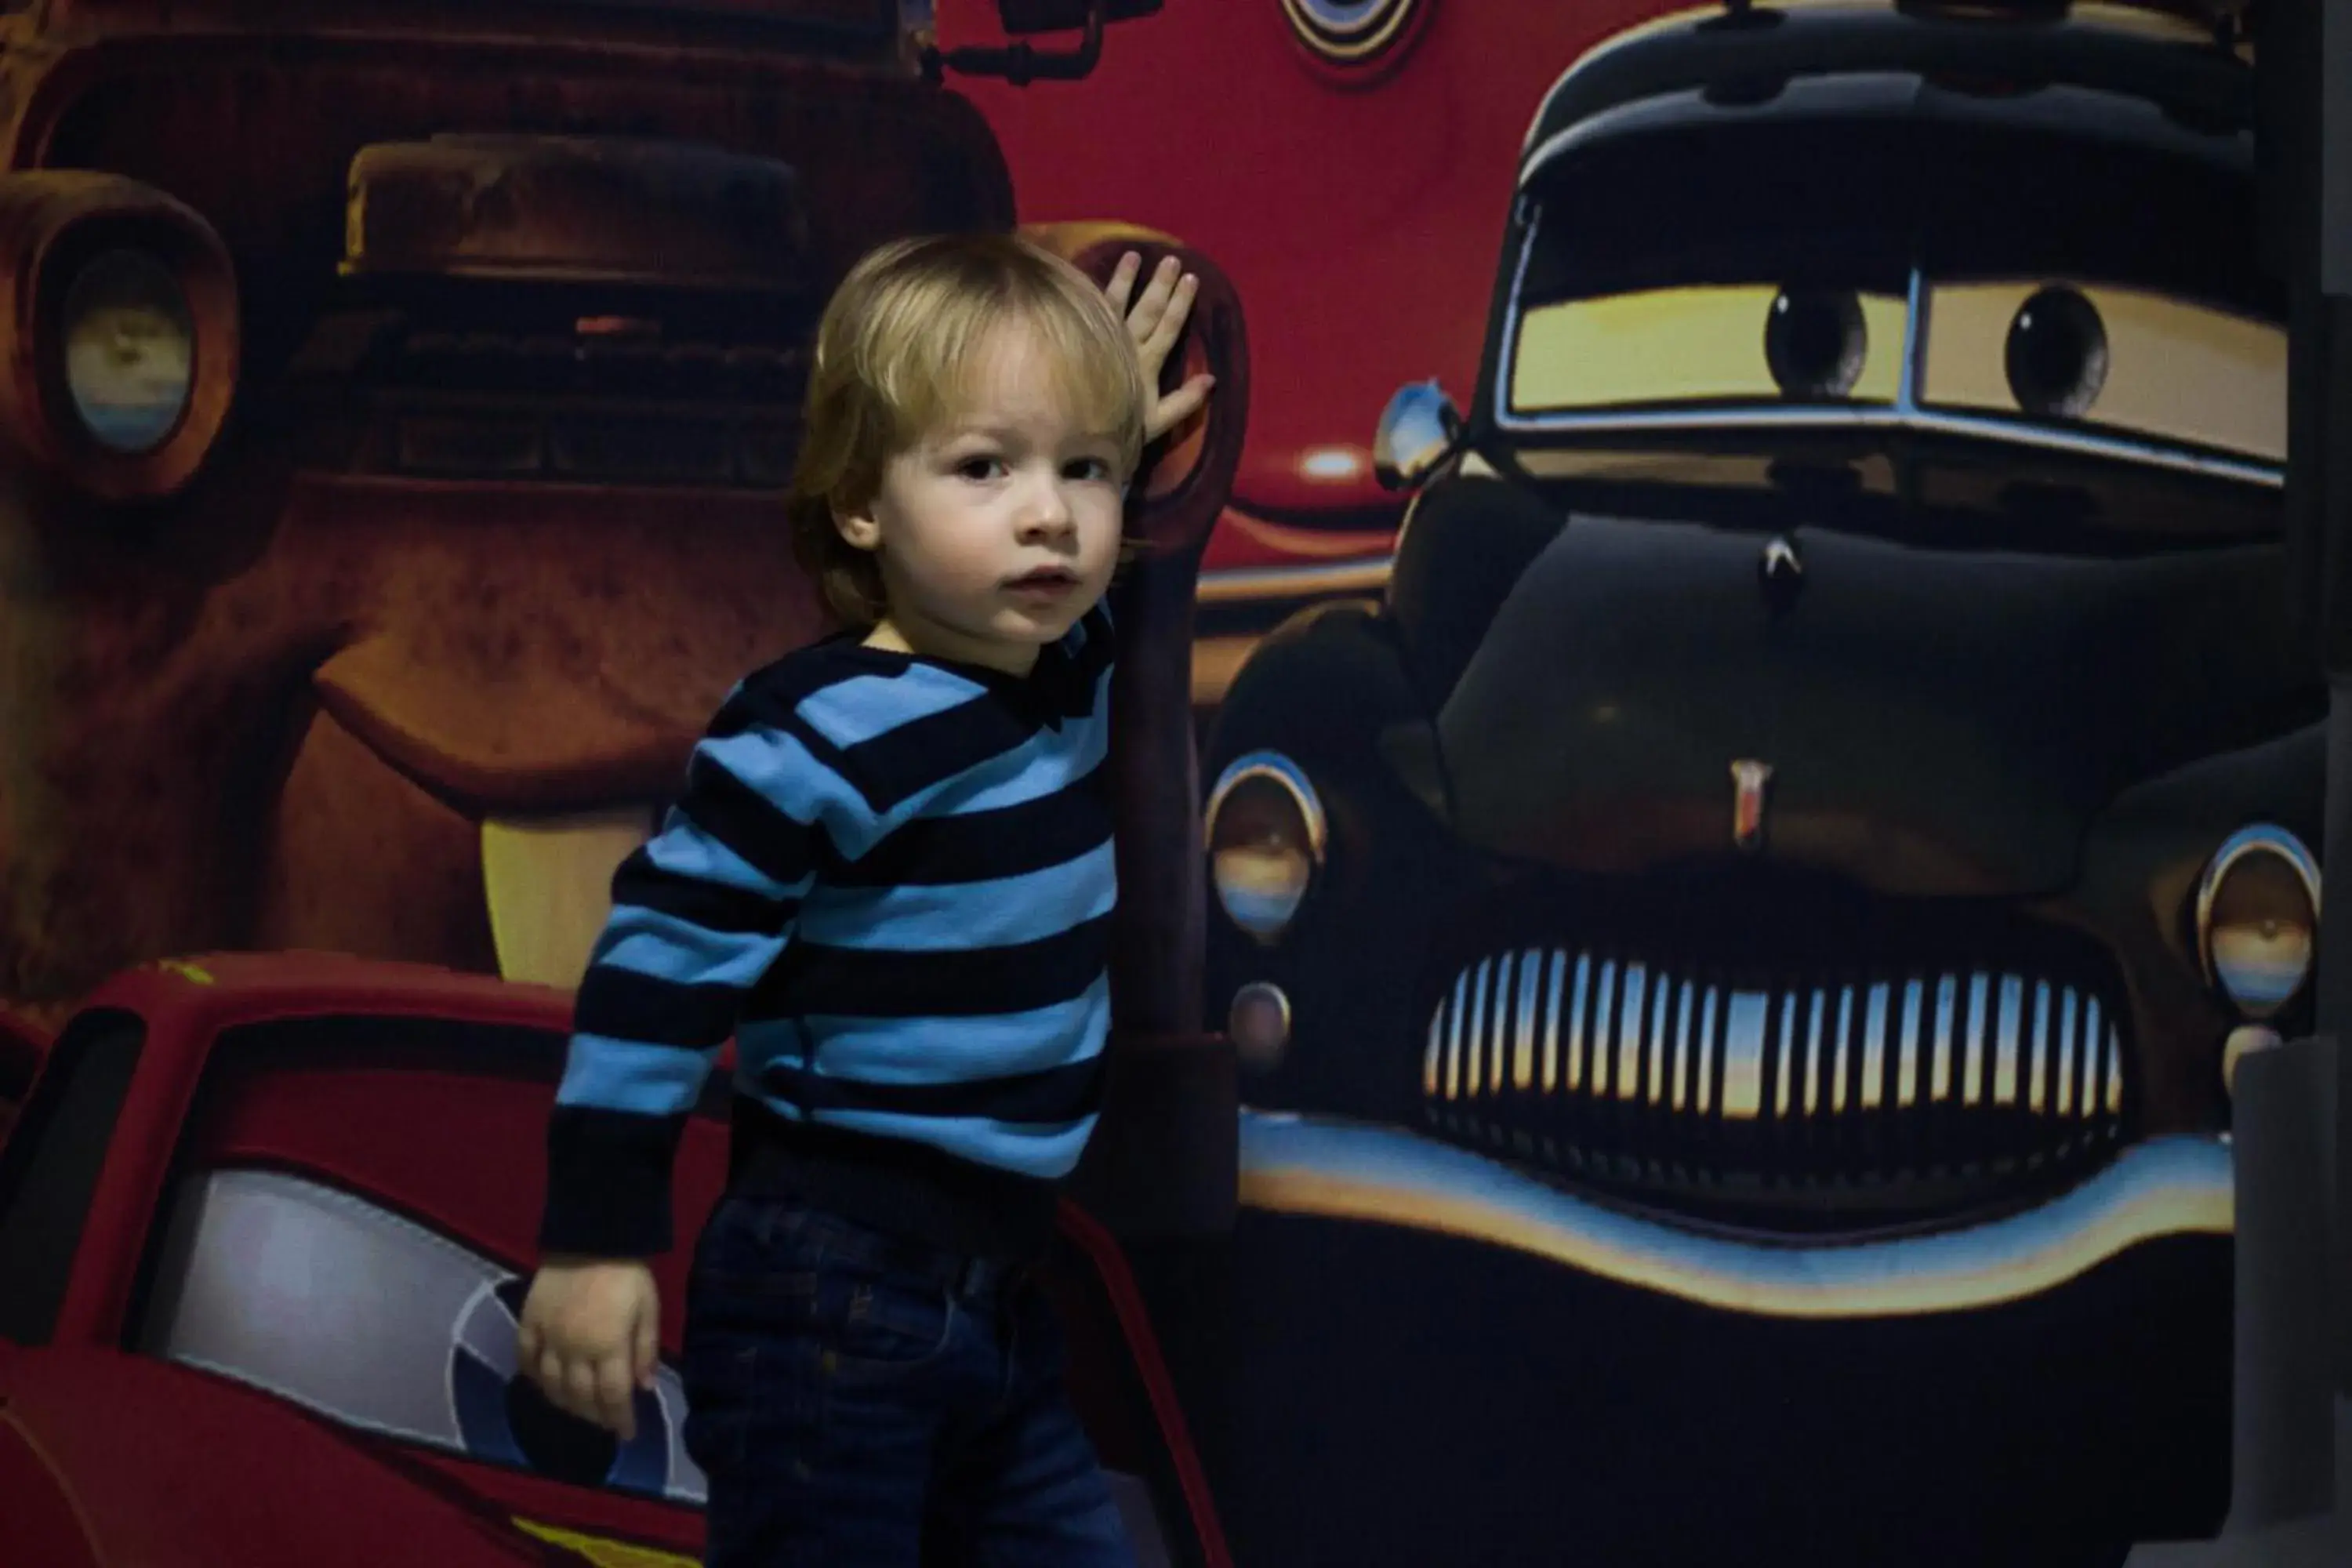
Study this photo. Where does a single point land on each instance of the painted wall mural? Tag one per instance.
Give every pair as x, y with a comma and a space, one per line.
1752, 779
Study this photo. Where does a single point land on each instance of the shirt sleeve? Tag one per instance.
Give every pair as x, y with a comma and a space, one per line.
699, 914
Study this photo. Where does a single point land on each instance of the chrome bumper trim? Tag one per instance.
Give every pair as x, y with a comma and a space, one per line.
1234, 584
1339, 1170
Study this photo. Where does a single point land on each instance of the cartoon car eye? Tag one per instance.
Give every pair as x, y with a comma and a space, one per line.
2056, 356
1816, 343
320, 1298
1712, 343
2133, 361
130, 350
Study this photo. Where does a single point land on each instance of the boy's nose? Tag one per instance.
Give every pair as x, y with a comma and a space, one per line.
1044, 511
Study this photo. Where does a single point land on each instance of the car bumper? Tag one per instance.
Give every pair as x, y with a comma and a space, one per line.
1334, 1169
1492, 1370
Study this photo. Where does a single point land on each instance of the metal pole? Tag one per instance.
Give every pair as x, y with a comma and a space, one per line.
2328, 83
2282, 1434
2293, 1167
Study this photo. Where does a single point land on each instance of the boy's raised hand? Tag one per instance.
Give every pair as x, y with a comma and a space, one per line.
1155, 321
590, 1335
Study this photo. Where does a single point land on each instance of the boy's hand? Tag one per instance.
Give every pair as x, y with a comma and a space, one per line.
590, 1335
1155, 321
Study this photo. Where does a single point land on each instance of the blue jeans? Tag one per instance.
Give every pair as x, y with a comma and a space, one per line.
858, 1401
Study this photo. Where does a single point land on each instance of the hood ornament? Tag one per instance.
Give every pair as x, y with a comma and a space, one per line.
1780, 571
1749, 781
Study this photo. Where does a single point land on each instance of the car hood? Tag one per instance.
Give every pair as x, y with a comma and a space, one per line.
1935, 721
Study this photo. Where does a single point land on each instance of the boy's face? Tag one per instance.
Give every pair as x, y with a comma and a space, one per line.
1001, 528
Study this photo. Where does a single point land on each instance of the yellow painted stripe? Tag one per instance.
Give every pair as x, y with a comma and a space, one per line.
603, 1551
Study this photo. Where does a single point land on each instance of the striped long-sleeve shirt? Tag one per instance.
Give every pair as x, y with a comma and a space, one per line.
891, 879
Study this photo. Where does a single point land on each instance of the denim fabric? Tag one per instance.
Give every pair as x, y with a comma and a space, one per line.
858, 1401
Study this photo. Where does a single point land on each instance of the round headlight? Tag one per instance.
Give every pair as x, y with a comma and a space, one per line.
1258, 1024
130, 350
1265, 835
2258, 919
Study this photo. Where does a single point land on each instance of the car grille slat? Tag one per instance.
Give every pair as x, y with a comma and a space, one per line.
1457, 1025
1683, 1077
2070, 1062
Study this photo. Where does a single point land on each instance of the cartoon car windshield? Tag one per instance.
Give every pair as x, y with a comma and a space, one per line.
1864, 254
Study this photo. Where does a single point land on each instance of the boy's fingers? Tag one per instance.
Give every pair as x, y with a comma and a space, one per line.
1122, 280
648, 1348
1178, 405
615, 1406
580, 1389
1144, 320
527, 1342
1171, 324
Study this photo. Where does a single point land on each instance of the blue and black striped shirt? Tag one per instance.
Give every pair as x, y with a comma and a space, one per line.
890, 880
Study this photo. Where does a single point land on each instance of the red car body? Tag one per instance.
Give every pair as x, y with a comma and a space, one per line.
406, 1106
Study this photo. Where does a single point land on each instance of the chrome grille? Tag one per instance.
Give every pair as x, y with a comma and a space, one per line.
1923, 1086
630, 401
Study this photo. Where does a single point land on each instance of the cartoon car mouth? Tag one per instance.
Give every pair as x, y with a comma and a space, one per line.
546, 874
537, 776
547, 885
547, 878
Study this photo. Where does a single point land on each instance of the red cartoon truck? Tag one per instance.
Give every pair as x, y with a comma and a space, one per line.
395, 408
265, 1226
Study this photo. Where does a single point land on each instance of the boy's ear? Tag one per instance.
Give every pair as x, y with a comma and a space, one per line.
858, 527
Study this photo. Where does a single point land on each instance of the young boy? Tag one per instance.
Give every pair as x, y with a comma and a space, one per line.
891, 879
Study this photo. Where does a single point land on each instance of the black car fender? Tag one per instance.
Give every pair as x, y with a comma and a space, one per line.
1463, 548
1329, 690
2143, 859
1324, 689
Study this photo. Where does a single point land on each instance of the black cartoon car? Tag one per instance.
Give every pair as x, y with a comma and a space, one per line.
1829, 790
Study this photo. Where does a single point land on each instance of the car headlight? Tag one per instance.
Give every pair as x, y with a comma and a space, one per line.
1266, 839
2257, 919
130, 350
126, 302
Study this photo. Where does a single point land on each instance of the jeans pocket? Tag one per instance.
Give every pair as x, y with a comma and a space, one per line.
753, 1254
877, 1326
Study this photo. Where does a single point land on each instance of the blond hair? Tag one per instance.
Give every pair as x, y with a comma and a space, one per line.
894, 355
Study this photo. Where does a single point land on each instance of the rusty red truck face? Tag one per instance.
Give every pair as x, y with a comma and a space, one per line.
392, 456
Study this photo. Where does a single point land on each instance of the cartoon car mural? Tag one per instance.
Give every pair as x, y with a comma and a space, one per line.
1828, 791
387, 471
394, 433
1355, 175
263, 1232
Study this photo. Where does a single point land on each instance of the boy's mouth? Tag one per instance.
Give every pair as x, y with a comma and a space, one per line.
1044, 579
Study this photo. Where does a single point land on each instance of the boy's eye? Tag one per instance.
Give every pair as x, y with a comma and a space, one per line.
978, 467
1091, 469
